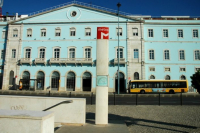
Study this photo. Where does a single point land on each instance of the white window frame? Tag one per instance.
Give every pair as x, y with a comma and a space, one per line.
54, 52
152, 68
180, 56
149, 33
119, 52
165, 56
29, 35
167, 68
58, 28
42, 33
71, 47
15, 35
70, 30
197, 33
87, 48
121, 33
90, 33
195, 55
25, 51
167, 33
13, 55
178, 33
39, 52
3, 34
181, 68
153, 54
134, 33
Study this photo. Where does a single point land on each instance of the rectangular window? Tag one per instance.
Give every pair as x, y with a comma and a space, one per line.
13, 53
72, 32
72, 53
151, 54
28, 53
87, 53
43, 32
152, 69
135, 31
120, 53
58, 32
182, 54
42, 53
195, 34
3, 34
136, 53
180, 33
87, 32
197, 54
165, 32
167, 69
150, 32
182, 69
15, 33
2, 54
120, 32
166, 52
29, 32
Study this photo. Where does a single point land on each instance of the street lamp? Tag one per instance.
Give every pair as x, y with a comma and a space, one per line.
118, 5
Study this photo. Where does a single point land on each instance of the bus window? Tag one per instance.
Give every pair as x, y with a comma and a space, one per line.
133, 85
141, 85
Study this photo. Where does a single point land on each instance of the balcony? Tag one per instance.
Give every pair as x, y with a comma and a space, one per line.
40, 61
121, 61
25, 60
71, 61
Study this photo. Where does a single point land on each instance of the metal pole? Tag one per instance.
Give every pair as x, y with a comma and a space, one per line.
118, 5
91, 97
136, 99
159, 99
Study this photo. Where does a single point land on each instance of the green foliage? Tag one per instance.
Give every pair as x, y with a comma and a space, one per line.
196, 80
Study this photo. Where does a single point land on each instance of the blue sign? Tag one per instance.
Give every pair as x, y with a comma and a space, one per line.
102, 81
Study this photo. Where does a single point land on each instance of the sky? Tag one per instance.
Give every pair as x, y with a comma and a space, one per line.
154, 8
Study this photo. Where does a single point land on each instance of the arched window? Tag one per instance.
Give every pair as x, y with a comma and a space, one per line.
167, 77
26, 75
40, 80
11, 80
166, 53
152, 77
136, 76
87, 81
55, 81
183, 77
71, 81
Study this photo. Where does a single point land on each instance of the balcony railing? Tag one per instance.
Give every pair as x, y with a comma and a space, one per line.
40, 61
121, 61
26, 60
71, 61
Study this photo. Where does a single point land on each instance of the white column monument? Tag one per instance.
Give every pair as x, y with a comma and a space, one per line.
101, 116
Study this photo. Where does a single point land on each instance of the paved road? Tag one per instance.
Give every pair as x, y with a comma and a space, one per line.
121, 99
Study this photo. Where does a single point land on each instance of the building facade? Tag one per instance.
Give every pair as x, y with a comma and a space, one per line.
56, 49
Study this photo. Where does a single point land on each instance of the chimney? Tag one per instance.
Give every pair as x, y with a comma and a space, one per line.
16, 17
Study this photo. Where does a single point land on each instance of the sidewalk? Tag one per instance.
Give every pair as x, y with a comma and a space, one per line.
140, 119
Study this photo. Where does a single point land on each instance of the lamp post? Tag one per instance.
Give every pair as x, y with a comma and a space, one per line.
118, 5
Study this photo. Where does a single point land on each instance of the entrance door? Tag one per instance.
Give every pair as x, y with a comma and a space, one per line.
87, 81
121, 83
40, 81
71, 81
26, 80
55, 81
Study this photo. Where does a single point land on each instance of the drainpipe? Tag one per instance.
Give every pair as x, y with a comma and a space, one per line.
141, 49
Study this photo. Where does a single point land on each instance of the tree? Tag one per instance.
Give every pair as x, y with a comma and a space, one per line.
196, 80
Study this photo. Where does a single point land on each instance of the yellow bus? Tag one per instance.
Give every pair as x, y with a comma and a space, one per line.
165, 86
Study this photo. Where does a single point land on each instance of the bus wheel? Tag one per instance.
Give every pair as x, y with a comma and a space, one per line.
142, 91
171, 92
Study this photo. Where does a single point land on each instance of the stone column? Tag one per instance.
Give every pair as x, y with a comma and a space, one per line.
101, 116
